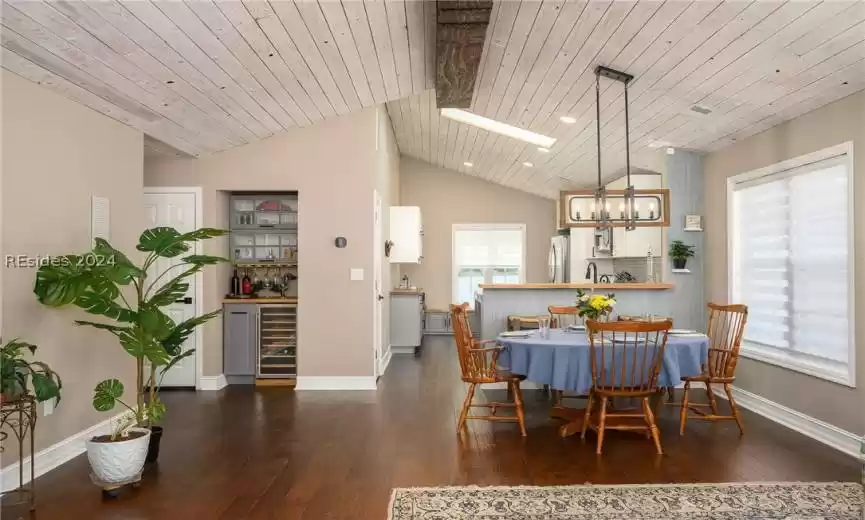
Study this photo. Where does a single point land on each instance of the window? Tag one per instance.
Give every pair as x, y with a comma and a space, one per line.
486, 253
791, 262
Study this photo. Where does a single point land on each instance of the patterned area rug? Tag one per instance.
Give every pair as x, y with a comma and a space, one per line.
753, 501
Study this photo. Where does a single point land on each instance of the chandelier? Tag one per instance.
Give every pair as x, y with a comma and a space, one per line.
602, 207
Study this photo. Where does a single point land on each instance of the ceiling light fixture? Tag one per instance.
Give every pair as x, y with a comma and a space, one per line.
468, 164
658, 144
527, 164
568, 120
544, 150
497, 127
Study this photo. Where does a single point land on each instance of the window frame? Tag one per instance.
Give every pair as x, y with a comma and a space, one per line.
796, 361
504, 226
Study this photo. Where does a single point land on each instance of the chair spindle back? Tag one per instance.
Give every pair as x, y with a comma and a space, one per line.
725, 329
561, 317
478, 365
626, 356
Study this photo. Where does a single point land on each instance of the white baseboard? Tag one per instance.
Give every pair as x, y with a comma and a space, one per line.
55, 455
385, 361
212, 382
402, 350
335, 383
832, 436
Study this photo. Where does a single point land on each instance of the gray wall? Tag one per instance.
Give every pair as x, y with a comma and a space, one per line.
833, 124
684, 178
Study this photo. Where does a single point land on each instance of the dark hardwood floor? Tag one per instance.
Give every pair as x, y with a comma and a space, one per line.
276, 454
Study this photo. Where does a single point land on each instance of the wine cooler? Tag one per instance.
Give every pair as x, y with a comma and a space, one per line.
277, 341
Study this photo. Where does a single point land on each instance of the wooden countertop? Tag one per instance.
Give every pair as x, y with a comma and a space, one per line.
596, 286
260, 300
409, 292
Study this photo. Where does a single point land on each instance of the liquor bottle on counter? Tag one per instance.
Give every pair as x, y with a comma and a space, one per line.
246, 284
235, 284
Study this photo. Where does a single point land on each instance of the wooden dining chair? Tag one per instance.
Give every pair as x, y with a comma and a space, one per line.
626, 360
725, 329
561, 317
479, 366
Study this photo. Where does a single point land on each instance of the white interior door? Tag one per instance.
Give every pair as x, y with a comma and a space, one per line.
176, 210
378, 305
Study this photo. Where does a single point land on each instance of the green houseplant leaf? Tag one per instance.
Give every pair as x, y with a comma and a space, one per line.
18, 375
99, 281
106, 394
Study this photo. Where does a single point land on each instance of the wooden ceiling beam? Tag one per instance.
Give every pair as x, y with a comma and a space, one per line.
461, 30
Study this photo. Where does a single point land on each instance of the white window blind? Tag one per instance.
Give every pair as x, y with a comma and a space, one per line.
792, 265
486, 253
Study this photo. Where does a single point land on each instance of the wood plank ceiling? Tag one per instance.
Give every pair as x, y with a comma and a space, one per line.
202, 75
753, 64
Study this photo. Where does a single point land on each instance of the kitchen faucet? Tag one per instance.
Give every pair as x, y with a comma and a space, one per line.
591, 272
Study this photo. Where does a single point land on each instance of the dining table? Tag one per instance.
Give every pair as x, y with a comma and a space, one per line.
561, 359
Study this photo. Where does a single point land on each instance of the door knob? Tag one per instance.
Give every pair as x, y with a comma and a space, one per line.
380, 297
186, 300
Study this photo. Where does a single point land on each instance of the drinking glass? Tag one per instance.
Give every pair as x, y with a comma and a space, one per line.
544, 326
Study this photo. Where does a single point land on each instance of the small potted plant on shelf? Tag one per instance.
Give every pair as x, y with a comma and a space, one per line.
680, 252
20, 377
595, 306
106, 283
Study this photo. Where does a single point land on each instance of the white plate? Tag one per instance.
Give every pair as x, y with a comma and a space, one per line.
576, 327
516, 334
682, 331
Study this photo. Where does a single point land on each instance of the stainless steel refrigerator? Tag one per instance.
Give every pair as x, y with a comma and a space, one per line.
560, 264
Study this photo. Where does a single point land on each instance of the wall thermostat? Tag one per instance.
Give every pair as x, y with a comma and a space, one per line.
340, 242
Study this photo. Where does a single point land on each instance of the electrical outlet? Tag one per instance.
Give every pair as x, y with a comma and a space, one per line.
356, 274
47, 407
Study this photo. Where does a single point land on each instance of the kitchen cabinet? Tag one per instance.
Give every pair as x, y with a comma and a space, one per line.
406, 233
406, 320
259, 341
264, 228
437, 322
240, 333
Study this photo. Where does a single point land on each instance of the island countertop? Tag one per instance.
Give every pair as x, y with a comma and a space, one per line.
589, 286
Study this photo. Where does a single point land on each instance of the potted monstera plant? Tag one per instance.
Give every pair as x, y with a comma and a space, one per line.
128, 298
20, 377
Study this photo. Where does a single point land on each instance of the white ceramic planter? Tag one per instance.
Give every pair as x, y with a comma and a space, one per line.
118, 462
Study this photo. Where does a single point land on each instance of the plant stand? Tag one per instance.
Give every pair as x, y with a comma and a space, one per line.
19, 416
113, 489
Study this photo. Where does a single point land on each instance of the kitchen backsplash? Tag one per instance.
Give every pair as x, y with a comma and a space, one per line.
636, 267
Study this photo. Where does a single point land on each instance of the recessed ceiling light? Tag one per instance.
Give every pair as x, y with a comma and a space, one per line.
527, 164
468, 164
658, 144
568, 120
543, 150
497, 127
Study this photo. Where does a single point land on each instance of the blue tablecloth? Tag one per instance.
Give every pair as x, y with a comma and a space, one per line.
562, 359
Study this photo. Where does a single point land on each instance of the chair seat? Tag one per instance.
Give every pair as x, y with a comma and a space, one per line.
504, 375
705, 378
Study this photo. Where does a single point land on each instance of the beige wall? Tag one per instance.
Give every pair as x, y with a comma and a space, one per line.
447, 197
56, 154
332, 165
833, 124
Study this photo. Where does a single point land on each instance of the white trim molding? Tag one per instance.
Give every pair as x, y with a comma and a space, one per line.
56, 454
210, 383
384, 362
832, 436
403, 350
336, 383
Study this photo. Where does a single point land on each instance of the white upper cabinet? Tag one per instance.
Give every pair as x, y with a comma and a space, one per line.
406, 233
637, 241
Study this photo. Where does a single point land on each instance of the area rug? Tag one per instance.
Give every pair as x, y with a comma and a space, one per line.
750, 501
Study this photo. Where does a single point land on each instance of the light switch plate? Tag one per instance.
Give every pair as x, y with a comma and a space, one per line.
356, 274
47, 407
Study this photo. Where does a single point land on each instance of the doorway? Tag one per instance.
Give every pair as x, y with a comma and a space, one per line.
179, 208
378, 296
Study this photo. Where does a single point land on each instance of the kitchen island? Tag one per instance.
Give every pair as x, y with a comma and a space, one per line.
498, 301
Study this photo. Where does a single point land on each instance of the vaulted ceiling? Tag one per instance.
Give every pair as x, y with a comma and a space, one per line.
752, 64
202, 76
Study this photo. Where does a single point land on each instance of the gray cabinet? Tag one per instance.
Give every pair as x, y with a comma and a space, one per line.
437, 322
240, 339
406, 320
